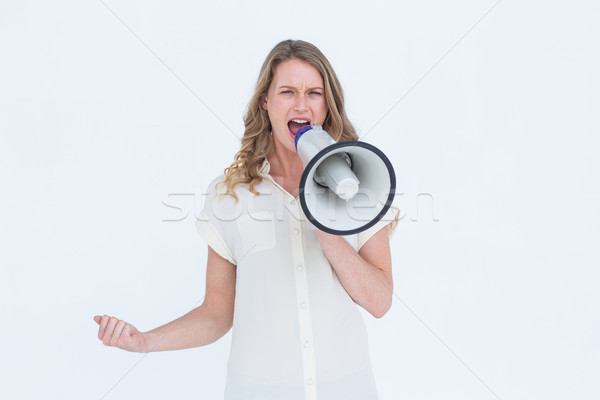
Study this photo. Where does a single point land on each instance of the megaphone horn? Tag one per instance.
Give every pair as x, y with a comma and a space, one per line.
346, 187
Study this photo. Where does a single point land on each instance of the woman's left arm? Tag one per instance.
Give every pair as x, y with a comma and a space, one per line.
366, 275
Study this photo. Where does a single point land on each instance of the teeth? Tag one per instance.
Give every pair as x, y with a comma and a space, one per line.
300, 121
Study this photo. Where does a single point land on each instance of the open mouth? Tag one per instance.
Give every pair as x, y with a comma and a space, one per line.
294, 125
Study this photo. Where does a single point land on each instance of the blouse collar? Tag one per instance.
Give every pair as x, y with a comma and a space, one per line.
266, 167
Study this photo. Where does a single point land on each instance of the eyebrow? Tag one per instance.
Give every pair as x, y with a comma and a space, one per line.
293, 87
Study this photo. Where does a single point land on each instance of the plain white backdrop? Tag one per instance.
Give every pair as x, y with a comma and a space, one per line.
488, 111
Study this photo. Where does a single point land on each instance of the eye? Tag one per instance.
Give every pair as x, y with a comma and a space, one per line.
286, 92
315, 93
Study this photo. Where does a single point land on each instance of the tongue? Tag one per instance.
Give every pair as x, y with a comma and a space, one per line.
295, 126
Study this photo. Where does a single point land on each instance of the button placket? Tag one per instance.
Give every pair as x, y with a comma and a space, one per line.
304, 316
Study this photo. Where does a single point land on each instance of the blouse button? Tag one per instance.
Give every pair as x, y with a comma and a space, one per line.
293, 202
303, 305
299, 267
309, 381
306, 344
296, 231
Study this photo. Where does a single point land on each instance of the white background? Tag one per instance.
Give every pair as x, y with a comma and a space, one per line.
497, 299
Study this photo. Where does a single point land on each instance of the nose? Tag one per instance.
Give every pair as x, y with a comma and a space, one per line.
300, 104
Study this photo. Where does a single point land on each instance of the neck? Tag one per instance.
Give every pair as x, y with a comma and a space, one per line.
286, 168
285, 163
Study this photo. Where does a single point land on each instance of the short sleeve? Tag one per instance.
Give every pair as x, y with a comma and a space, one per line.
390, 219
214, 221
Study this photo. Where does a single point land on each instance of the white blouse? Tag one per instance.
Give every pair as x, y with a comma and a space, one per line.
297, 334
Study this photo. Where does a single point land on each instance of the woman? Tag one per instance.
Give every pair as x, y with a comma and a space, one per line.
289, 290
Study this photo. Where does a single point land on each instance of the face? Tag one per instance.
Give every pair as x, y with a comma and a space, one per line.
295, 98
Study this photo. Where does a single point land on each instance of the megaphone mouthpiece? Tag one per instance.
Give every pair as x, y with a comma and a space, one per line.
337, 175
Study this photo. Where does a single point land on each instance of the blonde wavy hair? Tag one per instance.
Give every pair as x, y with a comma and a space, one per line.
257, 142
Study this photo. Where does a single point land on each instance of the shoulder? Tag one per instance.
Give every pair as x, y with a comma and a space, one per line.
218, 202
216, 186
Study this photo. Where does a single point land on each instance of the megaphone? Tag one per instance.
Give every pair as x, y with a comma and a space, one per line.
346, 187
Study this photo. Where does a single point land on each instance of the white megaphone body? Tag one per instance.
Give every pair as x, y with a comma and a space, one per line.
346, 187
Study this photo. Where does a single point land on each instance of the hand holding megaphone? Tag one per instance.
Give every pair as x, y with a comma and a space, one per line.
346, 187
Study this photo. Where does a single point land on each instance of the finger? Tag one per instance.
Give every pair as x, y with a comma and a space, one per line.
97, 318
127, 332
103, 322
116, 336
110, 327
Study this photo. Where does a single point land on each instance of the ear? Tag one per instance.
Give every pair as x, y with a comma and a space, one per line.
263, 102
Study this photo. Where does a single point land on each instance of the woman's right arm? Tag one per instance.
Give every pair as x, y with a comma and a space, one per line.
201, 326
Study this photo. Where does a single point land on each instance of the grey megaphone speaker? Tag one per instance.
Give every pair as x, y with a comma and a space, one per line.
346, 187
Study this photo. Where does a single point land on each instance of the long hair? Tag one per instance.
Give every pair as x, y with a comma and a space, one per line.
257, 142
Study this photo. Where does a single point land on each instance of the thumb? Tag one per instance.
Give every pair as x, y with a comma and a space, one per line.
97, 318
